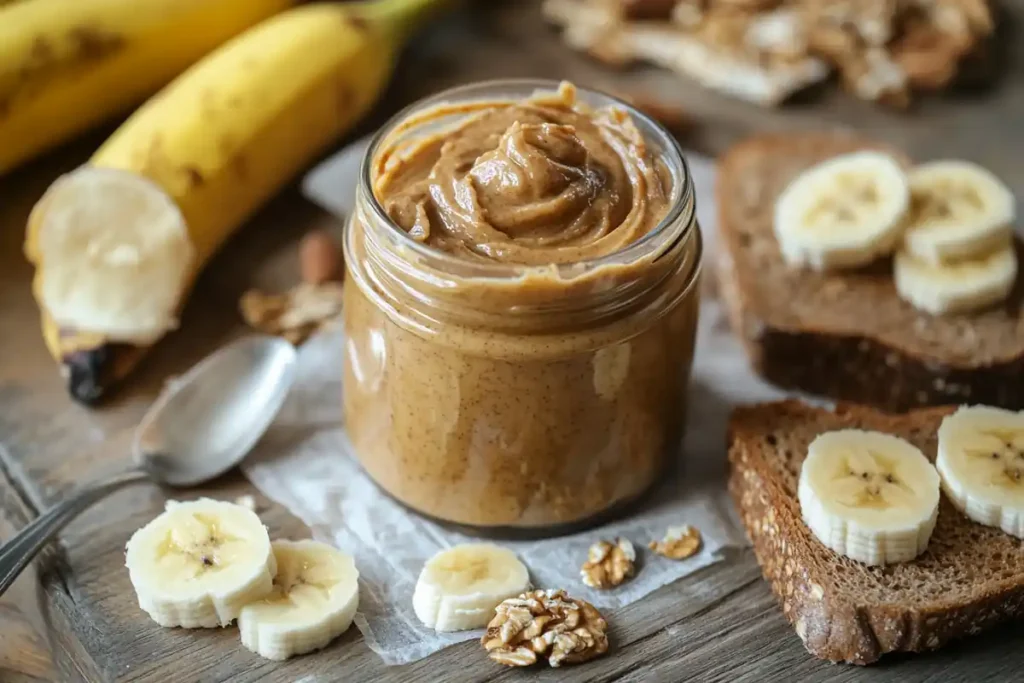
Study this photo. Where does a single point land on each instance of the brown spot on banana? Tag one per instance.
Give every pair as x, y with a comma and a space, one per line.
93, 43
195, 178
240, 166
346, 98
356, 21
42, 50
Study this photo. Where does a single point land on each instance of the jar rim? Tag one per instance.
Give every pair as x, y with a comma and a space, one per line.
660, 236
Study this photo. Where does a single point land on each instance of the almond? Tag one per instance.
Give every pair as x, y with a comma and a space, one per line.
319, 258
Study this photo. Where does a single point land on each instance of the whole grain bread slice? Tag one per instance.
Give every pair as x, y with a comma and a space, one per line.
970, 578
848, 335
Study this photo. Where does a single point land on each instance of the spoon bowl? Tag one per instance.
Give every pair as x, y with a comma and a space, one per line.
204, 422
200, 426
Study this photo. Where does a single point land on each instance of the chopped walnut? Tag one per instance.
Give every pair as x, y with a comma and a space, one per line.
294, 315
867, 22
764, 50
545, 623
689, 13
873, 76
609, 564
647, 9
679, 543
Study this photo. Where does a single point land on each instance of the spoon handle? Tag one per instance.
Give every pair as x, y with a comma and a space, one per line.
16, 554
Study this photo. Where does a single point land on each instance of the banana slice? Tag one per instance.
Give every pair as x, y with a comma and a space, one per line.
844, 212
958, 211
459, 588
981, 464
199, 563
116, 254
315, 597
870, 496
958, 287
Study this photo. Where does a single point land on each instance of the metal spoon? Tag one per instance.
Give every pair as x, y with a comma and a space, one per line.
200, 426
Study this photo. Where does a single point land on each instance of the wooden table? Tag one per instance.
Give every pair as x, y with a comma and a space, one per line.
721, 624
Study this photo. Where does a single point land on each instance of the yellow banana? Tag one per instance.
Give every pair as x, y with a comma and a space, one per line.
219, 141
66, 65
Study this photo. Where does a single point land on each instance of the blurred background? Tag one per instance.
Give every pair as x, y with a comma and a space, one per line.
938, 78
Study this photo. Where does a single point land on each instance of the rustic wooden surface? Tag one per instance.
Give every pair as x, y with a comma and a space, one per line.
721, 624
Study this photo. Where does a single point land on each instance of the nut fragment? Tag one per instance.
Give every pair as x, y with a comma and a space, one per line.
648, 9
294, 315
319, 257
609, 564
247, 502
764, 50
545, 623
680, 542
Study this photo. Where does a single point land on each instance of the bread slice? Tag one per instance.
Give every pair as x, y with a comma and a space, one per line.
970, 578
848, 335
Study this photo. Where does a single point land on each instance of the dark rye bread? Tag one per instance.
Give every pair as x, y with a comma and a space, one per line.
970, 578
847, 335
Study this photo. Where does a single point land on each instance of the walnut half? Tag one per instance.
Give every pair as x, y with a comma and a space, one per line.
609, 564
294, 315
545, 623
680, 542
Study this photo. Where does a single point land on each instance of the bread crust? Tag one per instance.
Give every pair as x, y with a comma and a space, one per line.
836, 625
818, 359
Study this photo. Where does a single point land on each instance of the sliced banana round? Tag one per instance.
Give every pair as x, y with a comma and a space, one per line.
958, 287
315, 597
981, 463
115, 251
844, 212
870, 496
958, 210
459, 588
199, 563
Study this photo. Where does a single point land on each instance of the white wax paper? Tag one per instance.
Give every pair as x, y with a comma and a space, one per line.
305, 464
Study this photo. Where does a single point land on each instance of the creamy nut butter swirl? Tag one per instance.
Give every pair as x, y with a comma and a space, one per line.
520, 305
536, 182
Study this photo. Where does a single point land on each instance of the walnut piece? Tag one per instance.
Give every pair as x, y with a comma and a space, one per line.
609, 564
545, 623
765, 50
294, 315
680, 542
648, 9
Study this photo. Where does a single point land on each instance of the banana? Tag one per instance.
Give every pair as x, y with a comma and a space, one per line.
315, 597
66, 65
199, 563
981, 465
870, 496
959, 211
843, 213
112, 278
459, 588
219, 141
956, 287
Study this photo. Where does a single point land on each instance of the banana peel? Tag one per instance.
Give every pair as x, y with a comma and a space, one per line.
228, 134
67, 65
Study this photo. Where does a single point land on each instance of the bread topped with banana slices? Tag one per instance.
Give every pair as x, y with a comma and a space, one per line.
863, 552
852, 273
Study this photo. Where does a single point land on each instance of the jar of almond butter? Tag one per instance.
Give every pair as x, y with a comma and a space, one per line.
521, 305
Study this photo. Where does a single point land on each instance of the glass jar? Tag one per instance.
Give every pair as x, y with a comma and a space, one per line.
510, 396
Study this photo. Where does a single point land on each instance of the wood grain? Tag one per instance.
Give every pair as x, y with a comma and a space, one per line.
718, 625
